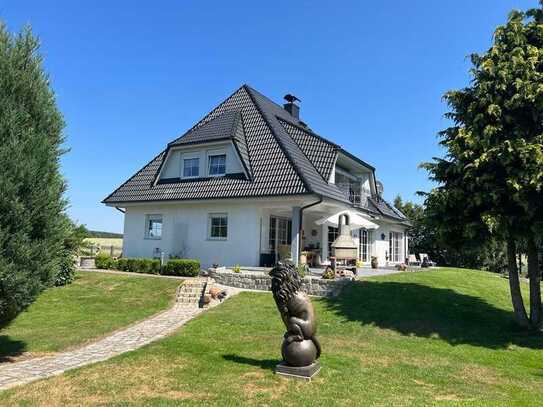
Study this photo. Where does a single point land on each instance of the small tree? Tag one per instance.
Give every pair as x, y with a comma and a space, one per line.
33, 225
491, 180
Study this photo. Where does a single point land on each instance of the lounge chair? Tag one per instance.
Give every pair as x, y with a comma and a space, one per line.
412, 260
429, 262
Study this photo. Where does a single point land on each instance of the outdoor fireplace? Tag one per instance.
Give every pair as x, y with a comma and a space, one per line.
344, 247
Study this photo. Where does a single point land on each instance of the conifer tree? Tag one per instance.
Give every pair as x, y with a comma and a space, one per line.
33, 223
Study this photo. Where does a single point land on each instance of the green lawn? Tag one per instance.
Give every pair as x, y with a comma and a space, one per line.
93, 305
431, 337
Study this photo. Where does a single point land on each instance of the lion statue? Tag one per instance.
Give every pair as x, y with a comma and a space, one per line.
300, 345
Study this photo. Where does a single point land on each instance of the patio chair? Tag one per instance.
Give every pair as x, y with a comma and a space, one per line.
412, 260
426, 260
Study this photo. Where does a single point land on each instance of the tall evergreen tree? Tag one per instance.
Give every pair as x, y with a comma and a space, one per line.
491, 180
33, 224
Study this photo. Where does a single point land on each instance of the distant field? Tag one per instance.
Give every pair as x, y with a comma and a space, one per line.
103, 245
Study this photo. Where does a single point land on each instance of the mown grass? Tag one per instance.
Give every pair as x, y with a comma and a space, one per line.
93, 305
431, 337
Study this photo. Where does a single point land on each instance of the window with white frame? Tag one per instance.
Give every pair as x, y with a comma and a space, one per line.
217, 164
191, 167
366, 237
395, 240
153, 226
218, 226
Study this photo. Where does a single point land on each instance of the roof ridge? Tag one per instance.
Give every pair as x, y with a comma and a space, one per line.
267, 98
310, 132
272, 130
195, 128
302, 150
247, 165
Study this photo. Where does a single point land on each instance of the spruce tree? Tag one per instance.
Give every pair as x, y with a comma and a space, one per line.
491, 179
33, 223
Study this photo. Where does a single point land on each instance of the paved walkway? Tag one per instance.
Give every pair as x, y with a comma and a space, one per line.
131, 338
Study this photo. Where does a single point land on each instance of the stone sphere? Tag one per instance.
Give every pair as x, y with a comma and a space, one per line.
299, 354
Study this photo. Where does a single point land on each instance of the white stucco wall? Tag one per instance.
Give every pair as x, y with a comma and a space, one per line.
185, 233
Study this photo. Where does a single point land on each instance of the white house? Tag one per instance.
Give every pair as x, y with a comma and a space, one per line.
249, 183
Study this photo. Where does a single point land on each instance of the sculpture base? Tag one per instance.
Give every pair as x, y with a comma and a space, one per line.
301, 373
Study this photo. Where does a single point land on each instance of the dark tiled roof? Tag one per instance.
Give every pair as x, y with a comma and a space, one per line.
321, 153
227, 126
383, 207
280, 154
272, 172
220, 128
305, 169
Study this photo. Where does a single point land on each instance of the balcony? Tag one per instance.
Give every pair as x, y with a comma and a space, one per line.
356, 195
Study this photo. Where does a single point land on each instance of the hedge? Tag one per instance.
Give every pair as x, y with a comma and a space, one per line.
181, 267
103, 261
149, 266
175, 267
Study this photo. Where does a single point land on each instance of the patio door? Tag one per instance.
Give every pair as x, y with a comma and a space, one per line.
395, 247
365, 240
280, 236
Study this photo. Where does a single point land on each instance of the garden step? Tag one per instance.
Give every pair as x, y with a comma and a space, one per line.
190, 292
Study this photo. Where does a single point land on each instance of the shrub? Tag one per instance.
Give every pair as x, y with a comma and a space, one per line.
72, 244
122, 264
181, 267
149, 266
103, 261
302, 270
329, 274
66, 273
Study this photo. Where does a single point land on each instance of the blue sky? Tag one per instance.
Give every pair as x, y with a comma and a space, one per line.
132, 75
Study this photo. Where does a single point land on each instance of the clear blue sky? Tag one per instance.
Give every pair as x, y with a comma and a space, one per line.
132, 75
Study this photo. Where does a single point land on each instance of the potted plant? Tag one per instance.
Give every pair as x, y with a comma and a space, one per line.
374, 262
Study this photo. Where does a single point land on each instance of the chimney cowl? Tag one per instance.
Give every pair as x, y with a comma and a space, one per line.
291, 106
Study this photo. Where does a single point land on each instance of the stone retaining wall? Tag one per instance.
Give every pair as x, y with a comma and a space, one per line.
254, 280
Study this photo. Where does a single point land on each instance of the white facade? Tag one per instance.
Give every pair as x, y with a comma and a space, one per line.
186, 230
185, 233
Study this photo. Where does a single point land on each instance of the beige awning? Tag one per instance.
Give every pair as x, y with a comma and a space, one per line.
356, 220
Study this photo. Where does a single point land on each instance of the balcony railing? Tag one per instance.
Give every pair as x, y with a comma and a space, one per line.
356, 195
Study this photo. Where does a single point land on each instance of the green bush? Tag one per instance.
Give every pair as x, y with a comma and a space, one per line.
181, 267
122, 264
103, 261
66, 273
146, 266
329, 274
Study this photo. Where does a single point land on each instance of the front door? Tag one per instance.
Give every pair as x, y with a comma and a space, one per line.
280, 236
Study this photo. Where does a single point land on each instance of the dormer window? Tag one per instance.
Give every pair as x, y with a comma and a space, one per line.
191, 167
217, 164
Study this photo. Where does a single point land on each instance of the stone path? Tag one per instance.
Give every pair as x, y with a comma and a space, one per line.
133, 337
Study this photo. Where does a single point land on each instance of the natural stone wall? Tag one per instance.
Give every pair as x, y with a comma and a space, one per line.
255, 280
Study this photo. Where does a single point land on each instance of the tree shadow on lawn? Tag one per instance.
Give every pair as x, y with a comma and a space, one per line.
10, 348
419, 310
266, 364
